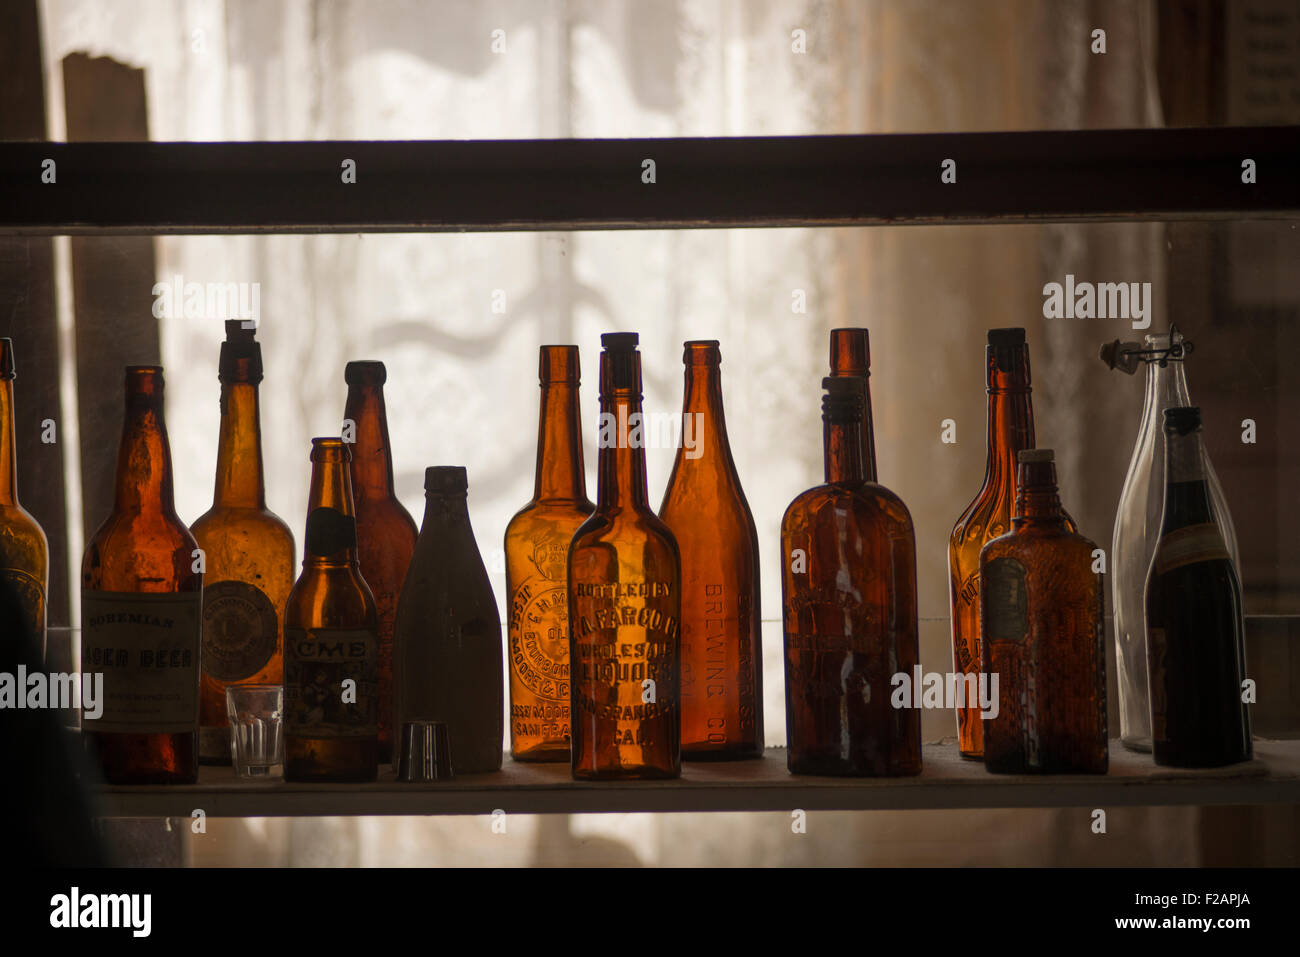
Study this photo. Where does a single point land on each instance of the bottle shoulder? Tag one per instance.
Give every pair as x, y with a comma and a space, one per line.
870, 501
625, 524
20, 532
221, 520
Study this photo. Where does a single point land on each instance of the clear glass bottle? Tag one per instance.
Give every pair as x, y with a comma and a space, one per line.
1137, 523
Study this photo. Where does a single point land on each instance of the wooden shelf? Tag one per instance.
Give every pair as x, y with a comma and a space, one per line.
947, 781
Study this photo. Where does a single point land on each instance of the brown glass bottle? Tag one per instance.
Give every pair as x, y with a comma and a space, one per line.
624, 600
24, 553
1042, 634
141, 609
386, 532
1196, 645
448, 646
537, 569
330, 636
706, 510
851, 356
1010, 430
248, 552
848, 588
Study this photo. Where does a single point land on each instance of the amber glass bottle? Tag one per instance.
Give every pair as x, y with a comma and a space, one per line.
537, 569
248, 551
624, 600
386, 532
141, 609
331, 733
1196, 647
448, 646
1010, 429
848, 583
24, 554
1043, 636
706, 510
851, 356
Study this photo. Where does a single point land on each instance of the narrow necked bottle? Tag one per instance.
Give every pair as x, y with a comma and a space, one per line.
851, 356
624, 600
1043, 636
248, 553
448, 651
537, 568
141, 609
385, 530
1137, 527
24, 553
331, 643
848, 588
705, 508
1195, 626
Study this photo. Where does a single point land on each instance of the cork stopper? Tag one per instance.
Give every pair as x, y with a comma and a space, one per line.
365, 372
620, 363
446, 480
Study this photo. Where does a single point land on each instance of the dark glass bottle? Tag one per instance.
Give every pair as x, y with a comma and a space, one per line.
385, 530
851, 356
141, 609
448, 650
537, 568
24, 553
848, 577
624, 600
331, 730
248, 550
705, 508
1196, 642
1010, 430
1043, 636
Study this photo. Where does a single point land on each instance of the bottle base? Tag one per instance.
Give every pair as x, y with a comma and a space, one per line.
627, 774
741, 753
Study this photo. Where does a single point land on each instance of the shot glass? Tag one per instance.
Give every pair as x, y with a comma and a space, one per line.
256, 730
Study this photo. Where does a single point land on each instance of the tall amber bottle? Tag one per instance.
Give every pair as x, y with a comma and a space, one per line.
851, 356
537, 569
624, 600
704, 506
331, 733
848, 583
1010, 430
248, 551
386, 532
1042, 634
448, 651
24, 553
141, 609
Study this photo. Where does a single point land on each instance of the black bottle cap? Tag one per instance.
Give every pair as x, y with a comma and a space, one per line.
1007, 338
619, 341
620, 363
240, 348
1182, 419
445, 480
6, 359
365, 372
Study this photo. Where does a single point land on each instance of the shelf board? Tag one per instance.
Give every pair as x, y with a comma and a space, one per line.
716, 182
946, 781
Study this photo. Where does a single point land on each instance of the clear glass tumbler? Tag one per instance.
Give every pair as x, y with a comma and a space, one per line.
256, 730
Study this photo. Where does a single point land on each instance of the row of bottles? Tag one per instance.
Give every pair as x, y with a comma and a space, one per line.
633, 637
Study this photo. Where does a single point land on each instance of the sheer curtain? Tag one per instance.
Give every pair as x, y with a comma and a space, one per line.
458, 318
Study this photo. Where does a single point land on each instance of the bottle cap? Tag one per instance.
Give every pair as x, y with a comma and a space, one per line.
1182, 419
241, 348
1036, 455
1007, 338
365, 372
445, 480
619, 341
620, 363
1008, 354
6, 359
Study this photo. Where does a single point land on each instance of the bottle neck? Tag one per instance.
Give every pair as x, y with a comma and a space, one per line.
560, 475
144, 459
8, 445
1010, 428
621, 473
704, 426
1037, 500
854, 362
240, 479
372, 464
445, 511
1187, 493
331, 519
842, 450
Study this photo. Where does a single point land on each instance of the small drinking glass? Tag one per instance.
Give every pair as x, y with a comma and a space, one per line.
256, 730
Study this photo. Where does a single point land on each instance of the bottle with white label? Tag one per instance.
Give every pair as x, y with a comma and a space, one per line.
141, 607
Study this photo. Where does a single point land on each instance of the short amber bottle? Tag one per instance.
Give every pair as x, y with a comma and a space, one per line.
141, 607
1043, 636
248, 553
331, 643
537, 569
848, 584
624, 600
705, 507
